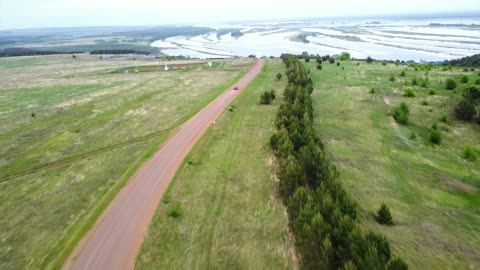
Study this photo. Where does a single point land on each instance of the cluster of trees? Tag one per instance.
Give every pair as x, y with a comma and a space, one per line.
469, 61
322, 215
468, 107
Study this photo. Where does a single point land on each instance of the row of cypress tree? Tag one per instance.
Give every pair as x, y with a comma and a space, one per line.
322, 215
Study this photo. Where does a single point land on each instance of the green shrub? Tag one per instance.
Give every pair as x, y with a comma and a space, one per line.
338, 64
414, 81
319, 66
451, 84
477, 82
267, 97
465, 110
472, 94
397, 264
319, 60
369, 60
384, 63
372, 91
469, 153
424, 102
345, 56
412, 135
432, 92
392, 78
332, 61
403, 73
383, 215
401, 113
424, 83
166, 199
444, 118
465, 69
435, 136
307, 59
409, 93
279, 76
464, 79
175, 210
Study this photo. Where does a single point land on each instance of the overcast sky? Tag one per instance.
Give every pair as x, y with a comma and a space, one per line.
66, 13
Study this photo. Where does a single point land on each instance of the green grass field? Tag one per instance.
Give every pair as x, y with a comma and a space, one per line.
231, 217
432, 191
72, 132
71, 135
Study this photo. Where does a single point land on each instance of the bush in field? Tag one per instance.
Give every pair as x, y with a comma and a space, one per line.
477, 82
403, 73
424, 83
435, 136
414, 81
175, 210
331, 60
279, 76
401, 113
472, 94
397, 264
432, 92
424, 102
369, 59
469, 153
267, 97
409, 93
344, 56
412, 135
451, 84
372, 91
307, 59
464, 79
465, 110
338, 64
444, 118
384, 63
383, 215
319, 60
392, 78
319, 66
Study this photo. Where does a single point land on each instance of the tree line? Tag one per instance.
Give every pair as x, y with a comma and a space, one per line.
321, 214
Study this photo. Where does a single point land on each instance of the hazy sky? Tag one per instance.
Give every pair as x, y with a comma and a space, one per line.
63, 13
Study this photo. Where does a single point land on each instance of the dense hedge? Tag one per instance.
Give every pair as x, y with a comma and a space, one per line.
118, 51
322, 215
10, 52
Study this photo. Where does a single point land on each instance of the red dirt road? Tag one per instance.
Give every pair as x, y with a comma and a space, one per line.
116, 238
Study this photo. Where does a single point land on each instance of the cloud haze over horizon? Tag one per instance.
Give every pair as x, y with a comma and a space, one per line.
71, 13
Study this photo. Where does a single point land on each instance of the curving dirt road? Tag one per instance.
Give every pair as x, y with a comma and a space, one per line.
116, 238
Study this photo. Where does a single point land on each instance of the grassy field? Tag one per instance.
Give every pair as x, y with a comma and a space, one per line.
432, 191
71, 134
230, 216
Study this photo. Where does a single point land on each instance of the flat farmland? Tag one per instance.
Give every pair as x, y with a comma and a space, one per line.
72, 132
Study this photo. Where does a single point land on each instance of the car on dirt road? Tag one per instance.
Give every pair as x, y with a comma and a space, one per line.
235, 88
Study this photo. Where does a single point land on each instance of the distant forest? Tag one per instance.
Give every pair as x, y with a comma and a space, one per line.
469, 61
